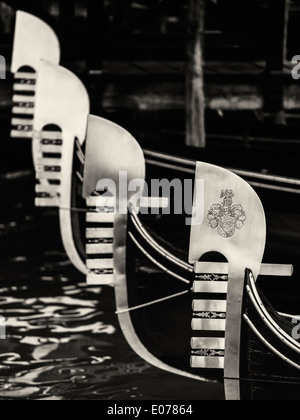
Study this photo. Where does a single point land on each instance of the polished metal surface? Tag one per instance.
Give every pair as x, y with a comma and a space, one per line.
201, 362
61, 100
100, 217
209, 305
236, 229
208, 343
276, 270
210, 287
110, 150
208, 324
94, 233
34, 40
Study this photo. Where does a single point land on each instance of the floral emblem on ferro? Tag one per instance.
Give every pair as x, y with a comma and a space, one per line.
227, 217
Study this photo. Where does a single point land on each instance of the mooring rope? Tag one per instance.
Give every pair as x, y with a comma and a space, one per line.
188, 166
135, 308
82, 210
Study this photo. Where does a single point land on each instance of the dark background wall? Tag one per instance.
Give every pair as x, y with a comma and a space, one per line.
132, 56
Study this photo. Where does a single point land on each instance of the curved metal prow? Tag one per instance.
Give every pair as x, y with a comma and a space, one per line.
61, 101
110, 152
113, 159
33, 40
230, 220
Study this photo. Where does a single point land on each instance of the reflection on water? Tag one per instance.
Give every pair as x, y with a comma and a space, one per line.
63, 339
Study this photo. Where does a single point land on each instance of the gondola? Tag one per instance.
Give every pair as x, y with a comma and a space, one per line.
59, 127
102, 160
189, 311
50, 107
189, 318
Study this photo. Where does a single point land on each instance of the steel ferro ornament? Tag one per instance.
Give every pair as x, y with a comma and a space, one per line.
226, 216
